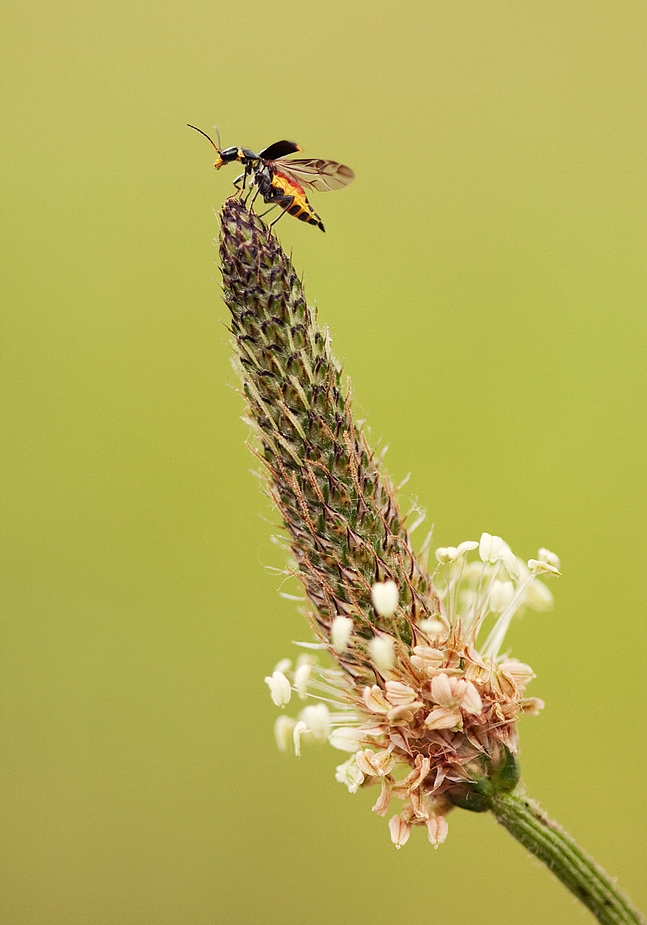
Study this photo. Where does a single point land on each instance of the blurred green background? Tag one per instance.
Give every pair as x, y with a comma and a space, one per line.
484, 282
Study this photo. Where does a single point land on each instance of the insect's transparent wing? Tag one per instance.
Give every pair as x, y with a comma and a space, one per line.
315, 173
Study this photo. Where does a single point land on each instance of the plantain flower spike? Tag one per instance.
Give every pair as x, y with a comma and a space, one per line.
416, 687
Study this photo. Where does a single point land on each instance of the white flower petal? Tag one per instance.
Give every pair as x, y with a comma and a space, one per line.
441, 691
437, 828
471, 700
400, 831
375, 700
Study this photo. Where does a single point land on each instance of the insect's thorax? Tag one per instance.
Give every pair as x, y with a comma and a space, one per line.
244, 155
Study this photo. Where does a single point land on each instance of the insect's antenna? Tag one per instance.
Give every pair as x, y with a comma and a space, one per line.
206, 136
217, 131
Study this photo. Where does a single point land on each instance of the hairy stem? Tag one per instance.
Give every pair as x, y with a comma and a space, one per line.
579, 873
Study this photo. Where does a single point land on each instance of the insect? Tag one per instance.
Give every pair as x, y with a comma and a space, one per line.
283, 183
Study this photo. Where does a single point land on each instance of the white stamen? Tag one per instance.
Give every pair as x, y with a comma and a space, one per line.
345, 739
467, 546
539, 567
501, 594
445, 554
493, 549
538, 596
385, 596
316, 716
301, 678
381, 649
488, 547
349, 774
279, 688
545, 555
297, 732
340, 633
495, 640
283, 729
432, 626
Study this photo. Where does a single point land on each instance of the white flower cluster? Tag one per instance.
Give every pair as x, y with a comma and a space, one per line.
315, 722
497, 584
436, 706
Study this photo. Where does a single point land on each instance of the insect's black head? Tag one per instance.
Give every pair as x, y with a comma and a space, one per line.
232, 154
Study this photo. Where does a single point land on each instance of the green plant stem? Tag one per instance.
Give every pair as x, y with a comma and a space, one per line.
579, 873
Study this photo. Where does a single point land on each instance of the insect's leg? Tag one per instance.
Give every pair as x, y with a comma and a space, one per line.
278, 219
252, 182
285, 202
239, 183
255, 196
267, 211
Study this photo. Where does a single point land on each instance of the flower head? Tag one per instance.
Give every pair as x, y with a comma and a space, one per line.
440, 714
420, 693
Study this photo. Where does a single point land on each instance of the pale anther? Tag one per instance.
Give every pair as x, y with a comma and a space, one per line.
340, 632
382, 653
349, 774
280, 688
345, 739
317, 720
539, 567
297, 732
301, 678
385, 596
283, 729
